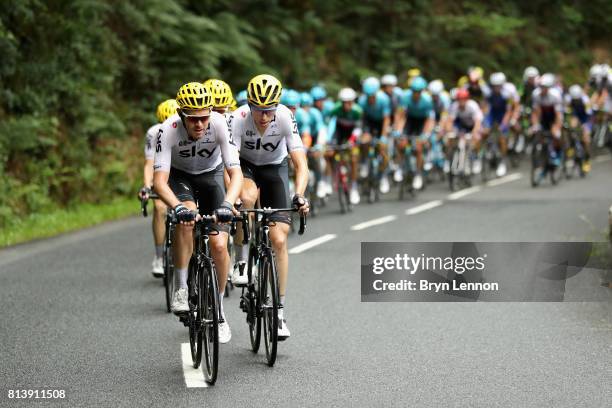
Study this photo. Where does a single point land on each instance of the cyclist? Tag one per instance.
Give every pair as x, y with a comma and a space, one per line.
222, 96
394, 92
547, 110
530, 83
165, 109
440, 99
578, 104
475, 84
319, 136
376, 106
465, 115
345, 127
319, 100
191, 151
502, 102
266, 133
415, 118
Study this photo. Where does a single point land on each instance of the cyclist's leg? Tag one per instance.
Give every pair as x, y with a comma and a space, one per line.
248, 196
159, 235
274, 182
181, 185
211, 193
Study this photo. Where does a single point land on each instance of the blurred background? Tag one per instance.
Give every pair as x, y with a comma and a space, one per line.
80, 80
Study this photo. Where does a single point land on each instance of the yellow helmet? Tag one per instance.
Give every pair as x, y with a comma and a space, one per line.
221, 92
194, 95
233, 105
264, 91
166, 109
414, 72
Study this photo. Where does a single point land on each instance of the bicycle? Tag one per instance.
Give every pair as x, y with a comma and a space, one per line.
370, 182
574, 152
203, 316
460, 160
407, 167
260, 299
490, 153
544, 159
341, 163
168, 264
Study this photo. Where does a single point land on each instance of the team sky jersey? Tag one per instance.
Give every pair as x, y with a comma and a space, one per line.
379, 109
499, 102
174, 148
149, 147
468, 116
280, 137
420, 108
579, 107
344, 123
302, 118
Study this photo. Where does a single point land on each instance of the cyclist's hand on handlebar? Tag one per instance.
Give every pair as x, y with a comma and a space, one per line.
225, 213
184, 215
144, 193
302, 203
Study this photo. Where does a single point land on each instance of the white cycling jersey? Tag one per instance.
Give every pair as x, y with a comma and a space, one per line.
149, 147
280, 137
174, 148
470, 114
508, 92
552, 100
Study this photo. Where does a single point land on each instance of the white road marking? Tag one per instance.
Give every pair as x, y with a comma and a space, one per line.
194, 377
424, 207
601, 159
371, 223
313, 243
503, 180
462, 193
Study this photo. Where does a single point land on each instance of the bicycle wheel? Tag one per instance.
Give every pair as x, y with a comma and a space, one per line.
254, 318
195, 332
344, 203
168, 275
208, 303
269, 305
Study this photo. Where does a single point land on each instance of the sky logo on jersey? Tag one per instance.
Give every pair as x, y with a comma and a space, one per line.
203, 152
158, 146
257, 145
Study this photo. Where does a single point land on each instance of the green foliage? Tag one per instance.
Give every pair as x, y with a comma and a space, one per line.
80, 79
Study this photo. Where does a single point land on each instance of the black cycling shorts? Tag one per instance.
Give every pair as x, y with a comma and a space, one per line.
372, 126
207, 190
414, 126
273, 183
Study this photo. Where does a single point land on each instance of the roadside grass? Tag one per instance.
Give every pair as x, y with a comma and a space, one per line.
38, 226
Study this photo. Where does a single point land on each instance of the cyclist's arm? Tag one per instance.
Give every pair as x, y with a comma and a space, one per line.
298, 157
163, 190
231, 160
148, 173
163, 157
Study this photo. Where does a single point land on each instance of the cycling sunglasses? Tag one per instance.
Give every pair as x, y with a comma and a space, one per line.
270, 109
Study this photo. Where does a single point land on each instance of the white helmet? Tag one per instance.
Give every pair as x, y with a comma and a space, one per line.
575, 91
347, 94
530, 72
436, 87
388, 79
596, 71
497, 79
547, 80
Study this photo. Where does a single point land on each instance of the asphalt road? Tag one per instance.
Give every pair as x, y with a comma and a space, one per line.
82, 313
